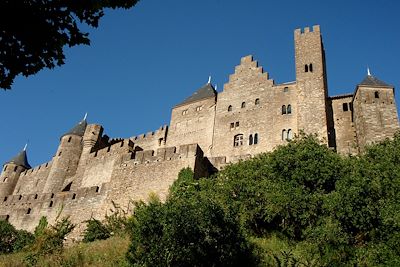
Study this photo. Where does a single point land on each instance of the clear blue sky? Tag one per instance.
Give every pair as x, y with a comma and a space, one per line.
145, 60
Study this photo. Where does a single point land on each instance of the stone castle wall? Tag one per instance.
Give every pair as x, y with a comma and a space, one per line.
89, 171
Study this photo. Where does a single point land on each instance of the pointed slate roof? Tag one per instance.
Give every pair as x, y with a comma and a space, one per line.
78, 129
20, 160
370, 80
204, 92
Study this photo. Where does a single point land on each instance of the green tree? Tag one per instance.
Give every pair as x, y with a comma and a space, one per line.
11, 239
33, 33
191, 232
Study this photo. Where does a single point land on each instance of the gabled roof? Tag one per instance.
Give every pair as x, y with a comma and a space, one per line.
204, 92
370, 80
78, 129
20, 160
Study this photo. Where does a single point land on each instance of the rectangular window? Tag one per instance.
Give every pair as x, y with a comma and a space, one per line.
345, 107
237, 124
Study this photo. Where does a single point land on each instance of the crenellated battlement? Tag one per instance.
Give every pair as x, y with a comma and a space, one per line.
167, 153
306, 30
37, 169
123, 146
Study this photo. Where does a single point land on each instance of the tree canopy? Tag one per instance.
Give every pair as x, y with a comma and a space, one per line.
33, 33
300, 205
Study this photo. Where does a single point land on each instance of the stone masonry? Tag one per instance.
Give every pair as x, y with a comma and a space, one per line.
90, 172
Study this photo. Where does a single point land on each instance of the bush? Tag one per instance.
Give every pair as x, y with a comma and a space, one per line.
95, 231
193, 232
11, 239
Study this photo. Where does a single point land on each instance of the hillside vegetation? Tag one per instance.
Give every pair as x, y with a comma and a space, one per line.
300, 205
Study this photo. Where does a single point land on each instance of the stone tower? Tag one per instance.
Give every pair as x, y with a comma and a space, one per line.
311, 82
11, 172
375, 113
66, 160
192, 121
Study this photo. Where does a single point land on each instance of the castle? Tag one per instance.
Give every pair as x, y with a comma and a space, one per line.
89, 171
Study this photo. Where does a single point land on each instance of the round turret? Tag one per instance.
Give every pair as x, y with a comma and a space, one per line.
66, 159
11, 172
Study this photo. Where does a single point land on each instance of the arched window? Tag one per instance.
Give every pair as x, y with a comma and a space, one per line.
257, 102
5, 168
289, 134
255, 139
376, 94
238, 140
29, 211
306, 68
250, 139
69, 139
243, 104
289, 109
310, 68
230, 108
283, 134
283, 109
15, 168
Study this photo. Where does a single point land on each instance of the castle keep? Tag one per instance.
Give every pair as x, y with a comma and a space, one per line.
89, 171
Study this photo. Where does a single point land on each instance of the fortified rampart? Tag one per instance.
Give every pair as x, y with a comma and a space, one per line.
89, 171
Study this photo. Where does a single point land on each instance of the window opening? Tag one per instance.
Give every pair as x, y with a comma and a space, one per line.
306, 68
255, 141
376, 94
250, 139
289, 134
243, 104
345, 107
51, 204
237, 124
67, 187
286, 89
257, 102
283, 134
29, 211
310, 68
289, 109
230, 108
238, 140
283, 109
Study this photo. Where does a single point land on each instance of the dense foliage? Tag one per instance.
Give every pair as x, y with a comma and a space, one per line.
11, 239
33, 33
327, 210
300, 205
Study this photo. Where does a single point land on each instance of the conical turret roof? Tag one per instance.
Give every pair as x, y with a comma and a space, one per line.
21, 160
370, 80
204, 92
78, 129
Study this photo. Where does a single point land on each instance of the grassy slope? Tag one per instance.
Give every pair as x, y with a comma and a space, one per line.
110, 252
